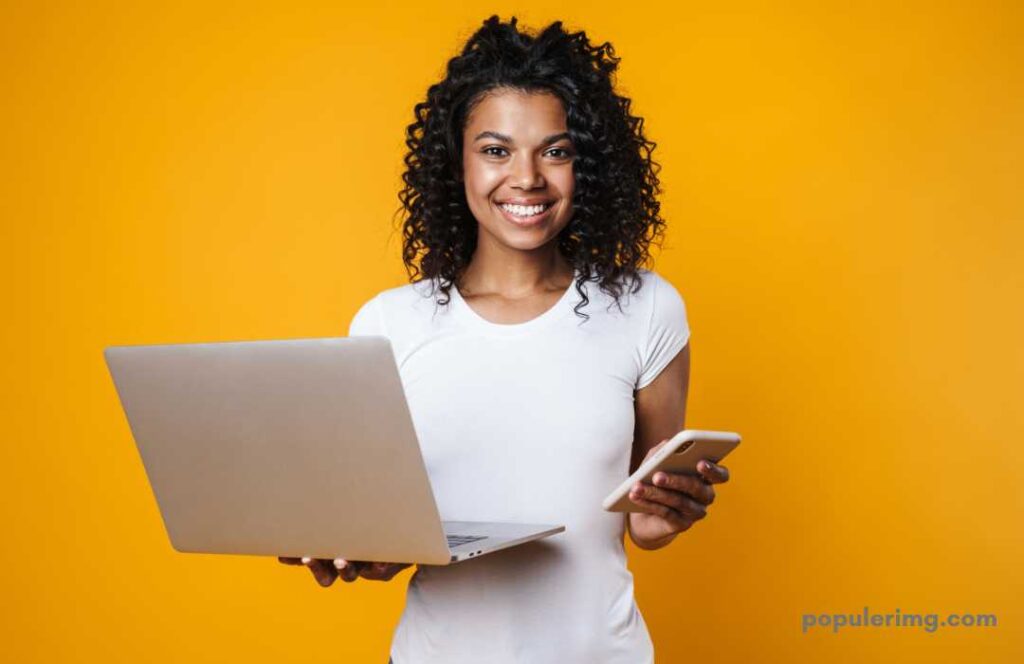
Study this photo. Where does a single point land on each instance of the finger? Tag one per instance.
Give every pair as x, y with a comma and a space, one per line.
676, 521
370, 570
328, 573
712, 472
375, 571
657, 447
676, 500
382, 571
350, 571
289, 561
638, 494
692, 485
323, 570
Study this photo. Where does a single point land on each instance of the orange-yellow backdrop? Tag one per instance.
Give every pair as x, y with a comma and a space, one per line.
842, 187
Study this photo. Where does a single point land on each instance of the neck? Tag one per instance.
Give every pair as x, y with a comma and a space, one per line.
515, 273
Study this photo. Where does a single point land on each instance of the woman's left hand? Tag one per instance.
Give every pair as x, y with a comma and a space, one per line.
674, 502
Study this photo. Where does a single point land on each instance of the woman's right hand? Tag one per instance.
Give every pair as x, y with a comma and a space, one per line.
325, 570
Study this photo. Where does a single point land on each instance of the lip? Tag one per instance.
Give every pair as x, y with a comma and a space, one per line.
527, 201
525, 222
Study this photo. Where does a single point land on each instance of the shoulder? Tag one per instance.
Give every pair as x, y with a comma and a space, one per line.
666, 330
660, 307
404, 294
662, 292
393, 308
637, 300
652, 292
665, 303
655, 282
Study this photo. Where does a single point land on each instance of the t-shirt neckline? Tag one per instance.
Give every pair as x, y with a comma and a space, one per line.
470, 317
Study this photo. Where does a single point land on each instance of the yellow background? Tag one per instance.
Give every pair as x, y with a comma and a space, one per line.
842, 184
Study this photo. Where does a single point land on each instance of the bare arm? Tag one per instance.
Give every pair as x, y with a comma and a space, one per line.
660, 413
672, 502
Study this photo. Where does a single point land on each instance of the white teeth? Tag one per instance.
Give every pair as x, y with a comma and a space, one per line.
525, 210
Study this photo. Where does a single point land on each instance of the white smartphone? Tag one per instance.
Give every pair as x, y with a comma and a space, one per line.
678, 455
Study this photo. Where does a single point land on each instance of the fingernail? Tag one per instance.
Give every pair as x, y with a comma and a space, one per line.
658, 478
707, 466
340, 563
306, 560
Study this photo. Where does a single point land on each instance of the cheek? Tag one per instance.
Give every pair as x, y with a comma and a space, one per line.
477, 198
565, 182
566, 190
480, 178
568, 183
481, 183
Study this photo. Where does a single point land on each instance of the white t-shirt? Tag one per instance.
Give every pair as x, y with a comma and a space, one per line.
529, 423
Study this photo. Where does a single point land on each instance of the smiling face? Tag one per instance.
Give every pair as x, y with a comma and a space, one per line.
517, 168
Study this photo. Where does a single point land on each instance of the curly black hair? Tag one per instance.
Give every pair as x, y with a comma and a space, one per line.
615, 210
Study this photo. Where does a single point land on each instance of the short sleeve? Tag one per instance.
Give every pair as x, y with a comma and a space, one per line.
668, 330
368, 320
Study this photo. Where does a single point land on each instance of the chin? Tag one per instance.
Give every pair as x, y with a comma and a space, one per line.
526, 243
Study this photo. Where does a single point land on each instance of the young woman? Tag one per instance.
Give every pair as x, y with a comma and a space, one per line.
529, 182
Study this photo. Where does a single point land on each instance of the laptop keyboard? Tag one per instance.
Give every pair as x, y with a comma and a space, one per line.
456, 540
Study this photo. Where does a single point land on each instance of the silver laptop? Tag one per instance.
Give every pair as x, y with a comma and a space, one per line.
299, 447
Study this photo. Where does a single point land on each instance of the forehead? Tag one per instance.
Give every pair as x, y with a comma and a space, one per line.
522, 115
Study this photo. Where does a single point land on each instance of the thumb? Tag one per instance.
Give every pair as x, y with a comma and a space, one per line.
657, 447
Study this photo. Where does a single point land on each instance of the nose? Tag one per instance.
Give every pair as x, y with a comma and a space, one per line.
525, 174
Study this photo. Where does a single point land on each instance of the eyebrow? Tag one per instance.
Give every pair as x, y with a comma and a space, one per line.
548, 140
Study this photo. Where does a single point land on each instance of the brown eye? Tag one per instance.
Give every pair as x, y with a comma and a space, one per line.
492, 147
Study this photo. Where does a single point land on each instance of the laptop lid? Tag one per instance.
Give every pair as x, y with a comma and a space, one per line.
300, 447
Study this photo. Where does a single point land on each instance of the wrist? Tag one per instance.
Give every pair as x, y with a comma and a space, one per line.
649, 544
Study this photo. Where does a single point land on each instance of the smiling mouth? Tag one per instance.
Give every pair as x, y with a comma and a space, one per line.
525, 214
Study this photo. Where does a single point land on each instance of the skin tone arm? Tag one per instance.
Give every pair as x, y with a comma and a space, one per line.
674, 502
